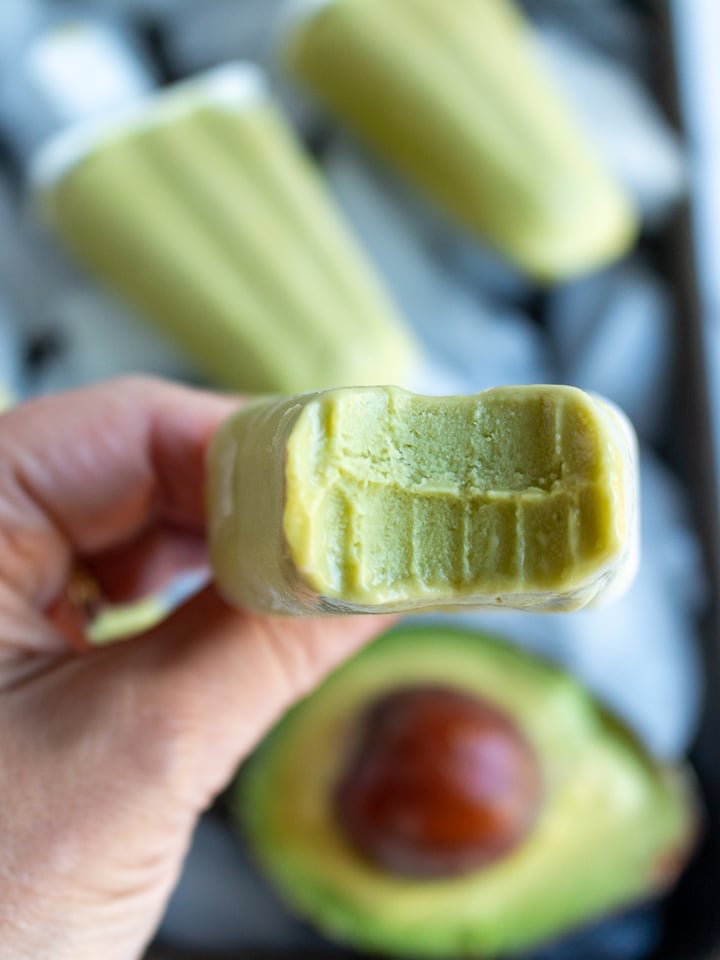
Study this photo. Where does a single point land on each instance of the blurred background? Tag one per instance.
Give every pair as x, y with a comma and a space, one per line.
637, 320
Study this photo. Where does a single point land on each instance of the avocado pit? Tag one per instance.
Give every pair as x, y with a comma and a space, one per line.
439, 782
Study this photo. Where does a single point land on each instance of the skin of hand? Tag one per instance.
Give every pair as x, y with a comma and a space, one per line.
109, 755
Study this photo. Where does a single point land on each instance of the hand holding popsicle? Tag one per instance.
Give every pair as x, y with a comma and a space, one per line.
108, 756
130, 743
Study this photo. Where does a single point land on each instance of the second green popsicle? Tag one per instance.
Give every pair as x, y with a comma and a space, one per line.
454, 96
200, 208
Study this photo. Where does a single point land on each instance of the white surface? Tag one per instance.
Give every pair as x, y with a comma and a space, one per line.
84, 68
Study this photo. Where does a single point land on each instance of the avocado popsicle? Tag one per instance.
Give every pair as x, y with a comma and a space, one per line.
198, 206
454, 97
376, 499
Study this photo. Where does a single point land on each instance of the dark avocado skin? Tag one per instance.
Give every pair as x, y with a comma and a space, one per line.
610, 823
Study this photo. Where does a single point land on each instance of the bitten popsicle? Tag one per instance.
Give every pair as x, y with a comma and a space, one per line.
375, 499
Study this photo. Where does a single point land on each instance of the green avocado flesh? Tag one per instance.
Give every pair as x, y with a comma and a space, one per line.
508, 491
613, 827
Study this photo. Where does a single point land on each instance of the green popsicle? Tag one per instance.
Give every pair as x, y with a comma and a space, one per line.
453, 95
200, 208
375, 499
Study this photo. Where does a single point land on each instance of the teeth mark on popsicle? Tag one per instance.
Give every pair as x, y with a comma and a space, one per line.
519, 496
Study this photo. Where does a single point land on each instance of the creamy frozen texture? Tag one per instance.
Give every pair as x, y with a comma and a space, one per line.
201, 209
454, 96
375, 499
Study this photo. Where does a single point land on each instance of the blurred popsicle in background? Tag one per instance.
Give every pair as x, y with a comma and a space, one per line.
469, 114
199, 207
70, 331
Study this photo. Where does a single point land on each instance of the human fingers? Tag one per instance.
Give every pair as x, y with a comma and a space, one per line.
89, 470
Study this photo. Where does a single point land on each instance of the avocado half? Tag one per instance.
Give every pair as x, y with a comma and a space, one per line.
613, 827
